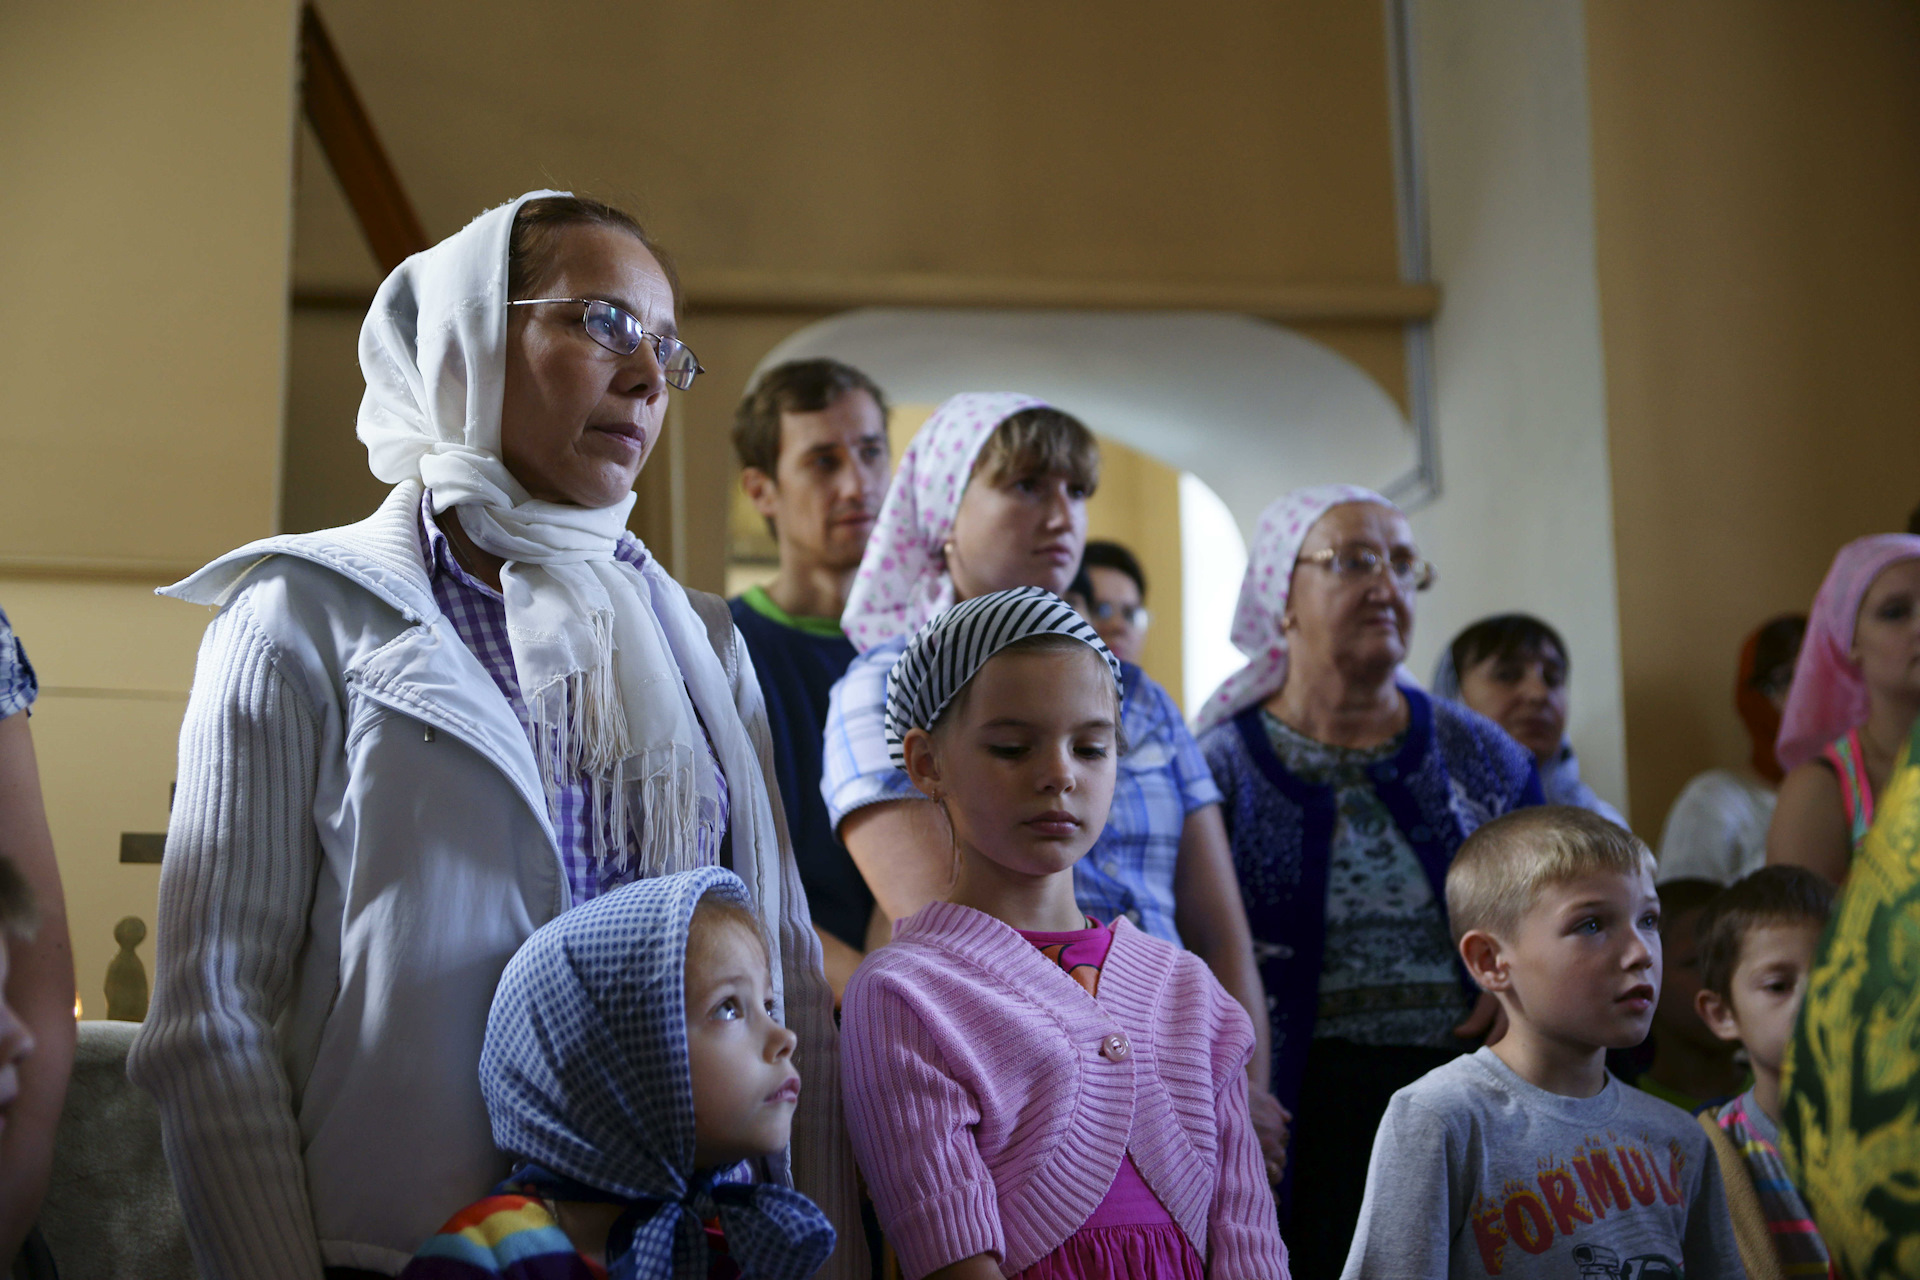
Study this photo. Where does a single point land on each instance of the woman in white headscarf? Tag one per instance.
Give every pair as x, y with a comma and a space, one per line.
1346, 792
414, 740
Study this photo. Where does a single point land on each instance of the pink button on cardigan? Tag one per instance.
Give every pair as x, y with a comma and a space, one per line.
987, 1118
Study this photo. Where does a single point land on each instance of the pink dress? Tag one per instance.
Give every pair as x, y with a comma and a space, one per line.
1130, 1233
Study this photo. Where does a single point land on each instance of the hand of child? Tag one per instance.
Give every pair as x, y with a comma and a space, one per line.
1488, 1018
1271, 1123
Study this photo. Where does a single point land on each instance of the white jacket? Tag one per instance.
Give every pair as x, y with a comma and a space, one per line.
359, 842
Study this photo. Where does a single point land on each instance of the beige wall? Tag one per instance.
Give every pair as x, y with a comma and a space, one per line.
146, 159
1104, 143
145, 154
1138, 505
1757, 185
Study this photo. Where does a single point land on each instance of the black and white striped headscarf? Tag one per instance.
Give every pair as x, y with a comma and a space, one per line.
952, 648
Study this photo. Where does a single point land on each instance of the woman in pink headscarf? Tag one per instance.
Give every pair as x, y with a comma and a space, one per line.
992, 495
1346, 794
1856, 692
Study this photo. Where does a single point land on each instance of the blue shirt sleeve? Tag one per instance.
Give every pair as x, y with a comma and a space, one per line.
1187, 763
856, 768
18, 686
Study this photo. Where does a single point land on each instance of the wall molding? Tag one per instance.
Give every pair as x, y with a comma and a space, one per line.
112, 695
1421, 485
96, 569
744, 292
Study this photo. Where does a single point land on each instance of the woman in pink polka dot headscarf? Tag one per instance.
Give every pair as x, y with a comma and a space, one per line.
992, 495
904, 579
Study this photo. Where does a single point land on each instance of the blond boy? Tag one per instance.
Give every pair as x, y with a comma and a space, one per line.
1757, 940
1527, 1159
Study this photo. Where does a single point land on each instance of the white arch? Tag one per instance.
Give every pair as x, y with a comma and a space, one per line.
1251, 408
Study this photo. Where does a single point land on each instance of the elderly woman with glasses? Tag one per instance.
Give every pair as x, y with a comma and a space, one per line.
414, 740
1347, 791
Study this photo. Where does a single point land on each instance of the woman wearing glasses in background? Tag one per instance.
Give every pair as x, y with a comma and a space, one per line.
1110, 591
414, 740
1347, 792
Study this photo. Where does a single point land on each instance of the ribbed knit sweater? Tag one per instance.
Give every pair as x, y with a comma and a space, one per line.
359, 844
990, 1104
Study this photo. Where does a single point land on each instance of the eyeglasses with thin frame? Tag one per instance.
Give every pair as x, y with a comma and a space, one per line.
1135, 616
619, 331
1358, 562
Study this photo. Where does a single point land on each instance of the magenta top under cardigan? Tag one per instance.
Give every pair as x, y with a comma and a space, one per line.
991, 1099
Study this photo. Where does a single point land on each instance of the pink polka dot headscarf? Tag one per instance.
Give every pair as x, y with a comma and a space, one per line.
902, 582
1263, 597
1828, 695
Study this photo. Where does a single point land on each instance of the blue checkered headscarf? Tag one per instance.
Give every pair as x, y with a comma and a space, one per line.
585, 1075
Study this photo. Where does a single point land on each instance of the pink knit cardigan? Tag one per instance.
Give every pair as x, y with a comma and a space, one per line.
991, 1105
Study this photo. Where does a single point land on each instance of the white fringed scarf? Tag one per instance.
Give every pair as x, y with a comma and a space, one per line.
611, 663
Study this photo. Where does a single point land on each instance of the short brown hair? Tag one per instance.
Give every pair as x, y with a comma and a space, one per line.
1040, 441
536, 238
1506, 637
1681, 896
1498, 874
798, 386
1771, 895
19, 916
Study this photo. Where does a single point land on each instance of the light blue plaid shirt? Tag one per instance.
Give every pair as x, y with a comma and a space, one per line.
1162, 778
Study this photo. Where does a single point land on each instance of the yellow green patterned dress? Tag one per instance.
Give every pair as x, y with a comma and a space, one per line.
1850, 1107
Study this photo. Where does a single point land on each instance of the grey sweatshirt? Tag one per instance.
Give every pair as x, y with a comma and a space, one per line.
1477, 1173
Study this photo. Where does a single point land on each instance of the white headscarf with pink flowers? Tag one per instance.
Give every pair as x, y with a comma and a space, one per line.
1263, 597
902, 582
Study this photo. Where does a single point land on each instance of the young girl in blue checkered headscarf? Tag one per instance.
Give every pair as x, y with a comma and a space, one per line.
634, 1058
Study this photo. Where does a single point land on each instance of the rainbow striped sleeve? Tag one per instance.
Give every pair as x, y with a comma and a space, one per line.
501, 1238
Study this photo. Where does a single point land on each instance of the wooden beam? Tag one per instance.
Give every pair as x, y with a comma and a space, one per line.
772, 292
353, 149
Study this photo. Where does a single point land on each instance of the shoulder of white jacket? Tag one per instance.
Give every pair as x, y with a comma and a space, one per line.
380, 554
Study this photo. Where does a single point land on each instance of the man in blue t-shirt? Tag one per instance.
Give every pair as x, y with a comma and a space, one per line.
812, 440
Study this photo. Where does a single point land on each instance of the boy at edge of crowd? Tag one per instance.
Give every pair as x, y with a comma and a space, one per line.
812, 440
1526, 1159
1757, 941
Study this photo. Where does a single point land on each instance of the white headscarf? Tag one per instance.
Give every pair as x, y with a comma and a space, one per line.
605, 657
902, 582
1263, 597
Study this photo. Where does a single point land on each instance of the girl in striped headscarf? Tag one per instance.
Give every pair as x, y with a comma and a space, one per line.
992, 495
1032, 1091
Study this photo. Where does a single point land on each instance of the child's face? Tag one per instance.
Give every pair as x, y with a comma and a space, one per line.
1584, 965
1026, 766
16, 1042
1675, 1015
741, 1060
1766, 990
